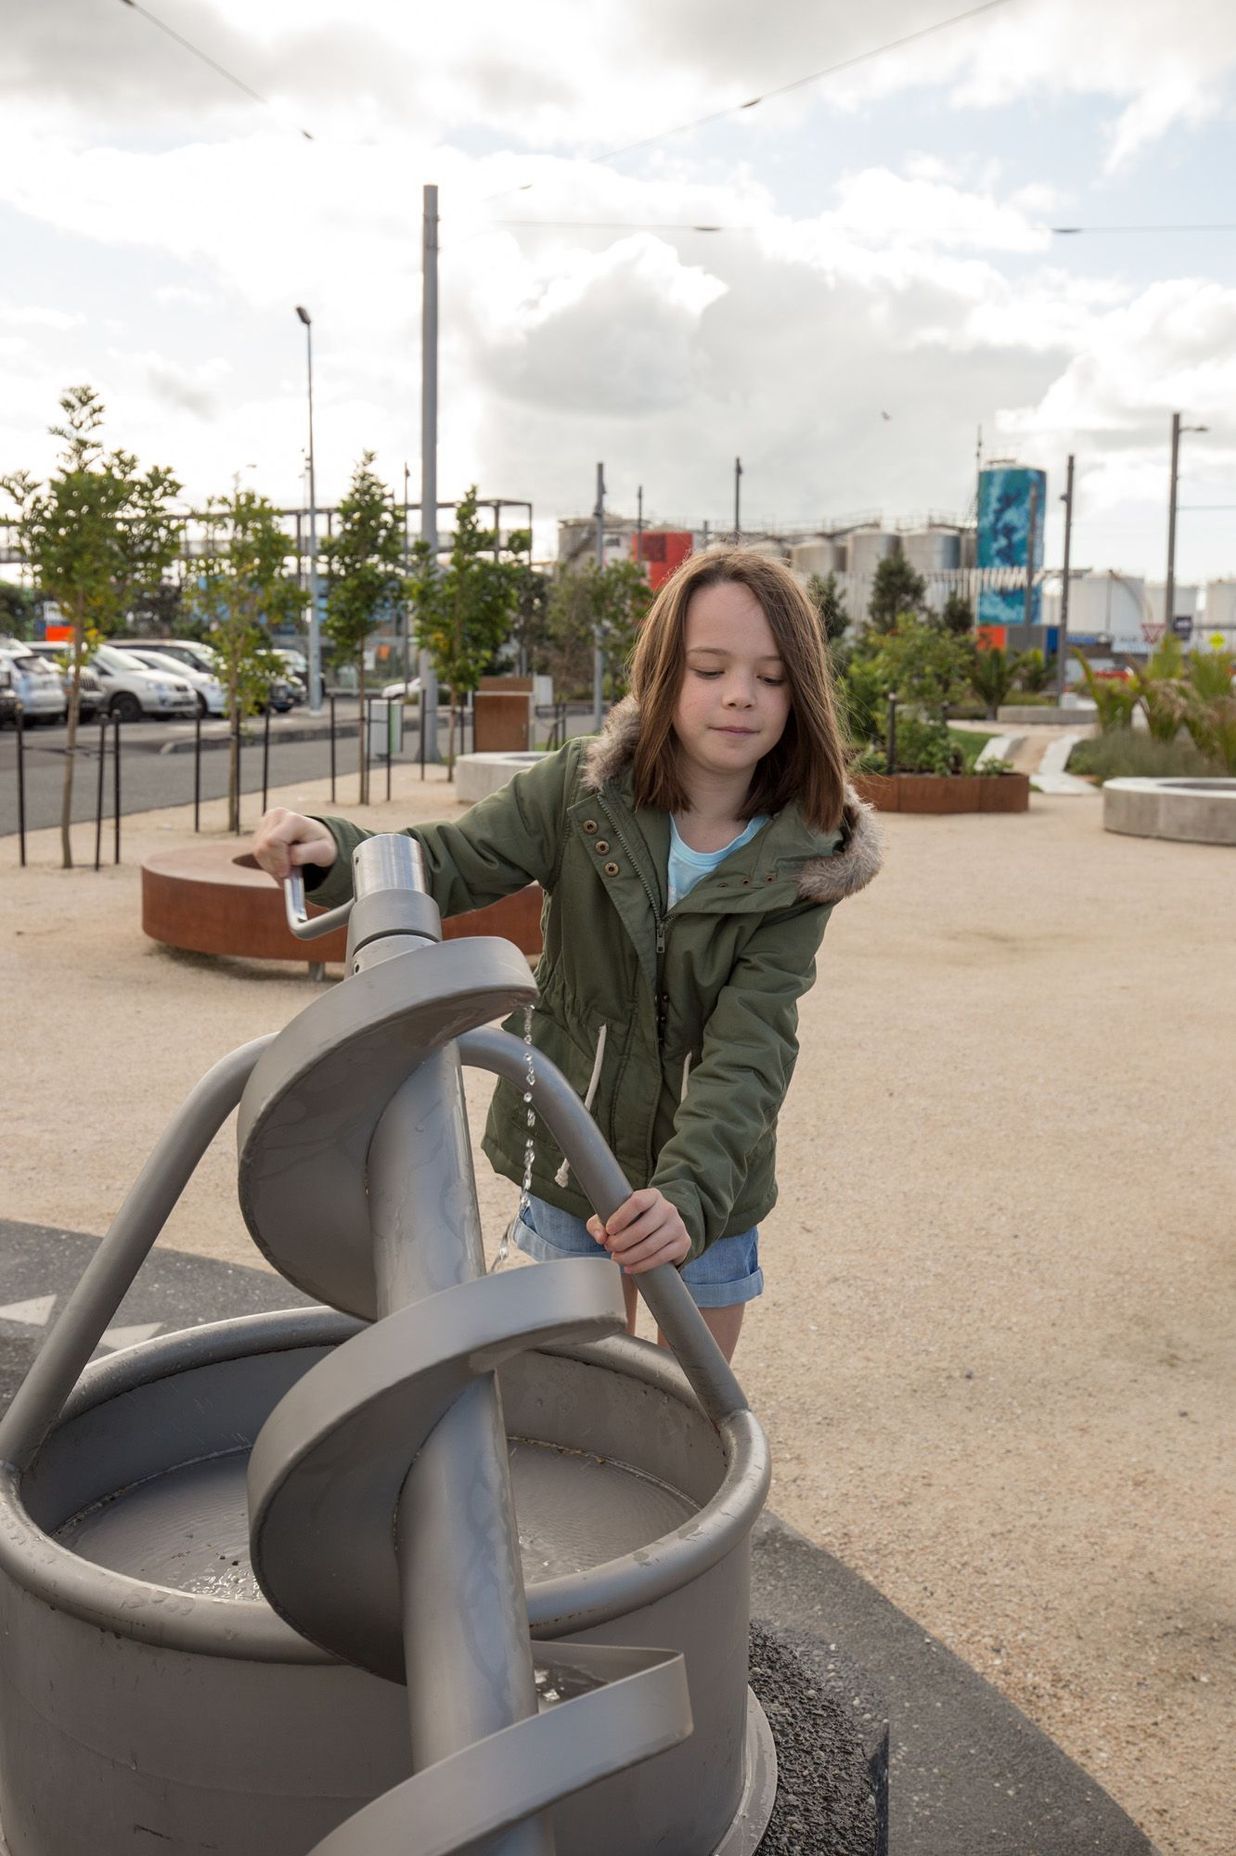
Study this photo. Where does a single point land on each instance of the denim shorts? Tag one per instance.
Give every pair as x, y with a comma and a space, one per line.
728, 1271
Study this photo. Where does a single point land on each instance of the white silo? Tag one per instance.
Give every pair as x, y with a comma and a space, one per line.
814, 557
1216, 627
1184, 600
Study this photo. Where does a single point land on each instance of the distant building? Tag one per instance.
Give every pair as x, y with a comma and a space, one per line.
660, 551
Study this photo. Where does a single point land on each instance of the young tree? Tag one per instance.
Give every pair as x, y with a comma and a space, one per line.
97, 534
530, 618
463, 615
924, 665
897, 591
243, 589
17, 609
957, 615
364, 559
590, 605
829, 601
991, 678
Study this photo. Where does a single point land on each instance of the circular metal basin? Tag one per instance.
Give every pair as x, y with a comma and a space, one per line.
151, 1693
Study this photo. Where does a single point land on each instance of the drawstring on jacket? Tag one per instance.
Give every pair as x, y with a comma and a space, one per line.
562, 1176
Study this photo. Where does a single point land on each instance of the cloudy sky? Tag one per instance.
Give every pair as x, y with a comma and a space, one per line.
885, 281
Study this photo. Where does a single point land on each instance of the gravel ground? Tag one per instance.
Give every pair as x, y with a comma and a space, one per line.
994, 1356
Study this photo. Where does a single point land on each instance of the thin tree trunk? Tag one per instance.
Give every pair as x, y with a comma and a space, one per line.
362, 770
450, 740
233, 758
66, 797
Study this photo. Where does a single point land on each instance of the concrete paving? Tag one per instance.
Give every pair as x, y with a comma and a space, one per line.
833, 1662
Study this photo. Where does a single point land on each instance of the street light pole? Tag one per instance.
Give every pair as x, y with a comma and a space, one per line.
315, 614
598, 659
737, 494
429, 449
1062, 639
1169, 590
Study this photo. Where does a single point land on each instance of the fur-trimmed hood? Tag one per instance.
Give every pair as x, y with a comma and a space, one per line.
827, 877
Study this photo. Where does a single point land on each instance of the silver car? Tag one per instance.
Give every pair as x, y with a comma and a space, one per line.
207, 688
134, 690
37, 685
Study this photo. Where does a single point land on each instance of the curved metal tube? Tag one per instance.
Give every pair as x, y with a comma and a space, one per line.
304, 926
604, 1183
110, 1272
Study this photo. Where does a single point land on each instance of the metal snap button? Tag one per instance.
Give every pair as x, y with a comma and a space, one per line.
611, 869
590, 825
600, 847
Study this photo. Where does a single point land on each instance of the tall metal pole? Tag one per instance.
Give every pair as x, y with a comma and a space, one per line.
639, 526
1062, 640
737, 492
315, 616
429, 449
1169, 590
598, 656
405, 639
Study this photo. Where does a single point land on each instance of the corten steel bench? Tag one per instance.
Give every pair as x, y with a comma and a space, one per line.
213, 899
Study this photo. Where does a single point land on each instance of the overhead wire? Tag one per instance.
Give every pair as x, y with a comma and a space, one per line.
777, 90
195, 51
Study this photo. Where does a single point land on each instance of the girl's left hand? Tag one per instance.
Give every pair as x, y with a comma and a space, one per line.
644, 1232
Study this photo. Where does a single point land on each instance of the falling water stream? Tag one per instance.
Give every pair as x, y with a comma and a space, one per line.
525, 1191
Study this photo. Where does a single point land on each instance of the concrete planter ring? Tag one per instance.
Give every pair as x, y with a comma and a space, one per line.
1193, 811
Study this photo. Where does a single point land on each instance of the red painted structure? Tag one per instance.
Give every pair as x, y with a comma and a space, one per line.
660, 551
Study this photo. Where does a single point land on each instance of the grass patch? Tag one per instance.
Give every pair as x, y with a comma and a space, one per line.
971, 743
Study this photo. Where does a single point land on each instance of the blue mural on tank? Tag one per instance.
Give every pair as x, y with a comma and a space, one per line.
1006, 494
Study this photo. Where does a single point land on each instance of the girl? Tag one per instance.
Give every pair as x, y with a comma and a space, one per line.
690, 857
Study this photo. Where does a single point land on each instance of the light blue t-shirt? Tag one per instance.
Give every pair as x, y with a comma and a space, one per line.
686, 866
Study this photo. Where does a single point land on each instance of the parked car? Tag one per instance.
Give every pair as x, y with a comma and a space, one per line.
192, 655
205, 686
408, 690
296, 670
92, 697
36, 684
133, 690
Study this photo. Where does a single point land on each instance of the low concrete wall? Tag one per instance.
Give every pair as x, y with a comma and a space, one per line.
478, 775
1081, 715
1191, 811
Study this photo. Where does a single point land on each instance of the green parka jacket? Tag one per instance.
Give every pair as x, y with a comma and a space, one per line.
676, 1026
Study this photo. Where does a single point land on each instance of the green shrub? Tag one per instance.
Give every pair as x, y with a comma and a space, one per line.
1125, 754
926, 747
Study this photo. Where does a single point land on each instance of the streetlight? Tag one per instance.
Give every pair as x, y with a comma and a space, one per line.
315, 644
1169, 590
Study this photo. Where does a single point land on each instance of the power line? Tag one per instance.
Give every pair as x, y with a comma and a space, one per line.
778, 90
229, 77
1076, 231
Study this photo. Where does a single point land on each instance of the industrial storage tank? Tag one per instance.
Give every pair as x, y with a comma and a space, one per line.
815, 557
932, 550
1217, 628
1103, 608
1184, 601
867, 547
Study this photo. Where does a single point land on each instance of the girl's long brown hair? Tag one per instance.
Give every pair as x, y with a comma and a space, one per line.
809, 762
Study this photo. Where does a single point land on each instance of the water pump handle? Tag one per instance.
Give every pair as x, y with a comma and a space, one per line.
304, 926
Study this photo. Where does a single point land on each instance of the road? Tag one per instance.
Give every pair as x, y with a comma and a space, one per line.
157, 763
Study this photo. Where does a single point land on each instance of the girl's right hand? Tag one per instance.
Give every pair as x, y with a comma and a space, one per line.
284, 841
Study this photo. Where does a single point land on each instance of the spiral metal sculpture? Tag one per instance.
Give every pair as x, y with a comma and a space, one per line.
381, 1518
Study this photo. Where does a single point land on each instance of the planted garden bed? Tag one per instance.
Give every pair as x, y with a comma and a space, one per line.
945, 792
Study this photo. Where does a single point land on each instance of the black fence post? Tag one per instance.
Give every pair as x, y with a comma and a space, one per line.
21, 783
423, 715
98, 803
331, 700
239, 738
265, 754
197, 771
365, 714
891, 744
116, 790
390, 744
